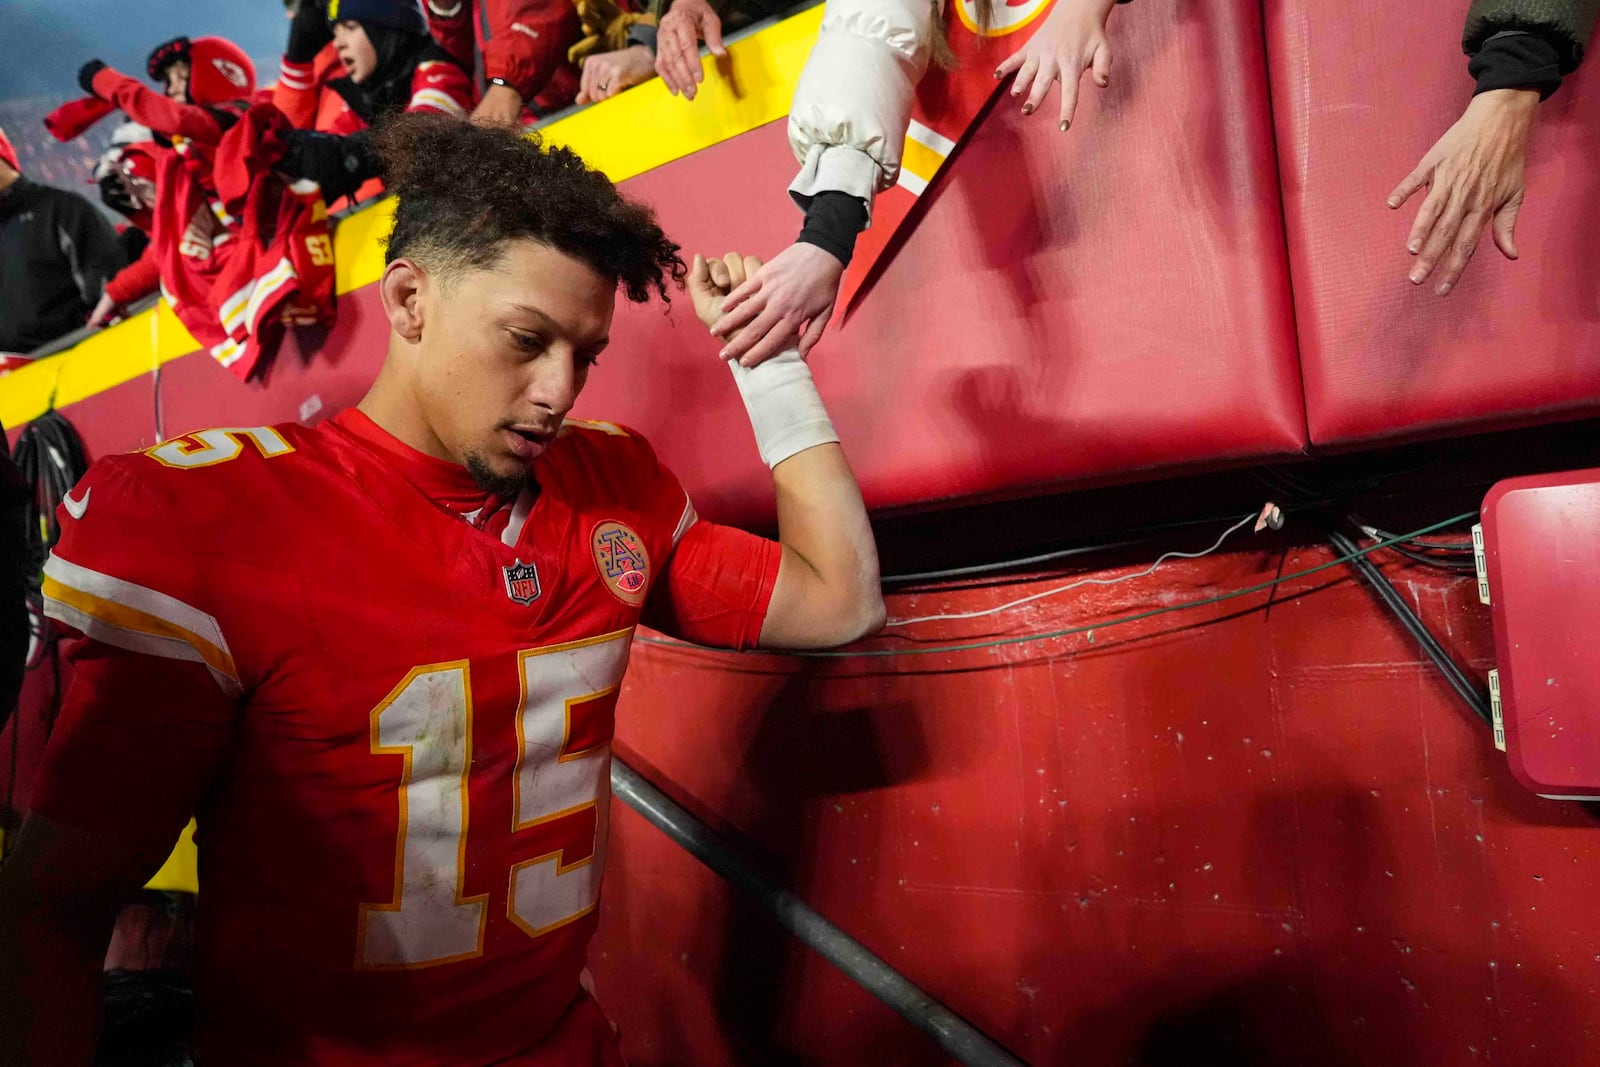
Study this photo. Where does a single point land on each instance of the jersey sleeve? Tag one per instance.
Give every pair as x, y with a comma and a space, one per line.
154, 688
150, 108
138, 741
121, 573
526, 41
442, 88
716, 588
450, 24
718, 580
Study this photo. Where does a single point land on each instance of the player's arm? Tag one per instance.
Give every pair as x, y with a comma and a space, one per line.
138, 740
827, 591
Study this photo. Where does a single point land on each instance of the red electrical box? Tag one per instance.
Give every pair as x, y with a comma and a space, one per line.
1539, 571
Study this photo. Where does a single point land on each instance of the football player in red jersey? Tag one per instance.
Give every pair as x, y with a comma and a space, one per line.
378, 660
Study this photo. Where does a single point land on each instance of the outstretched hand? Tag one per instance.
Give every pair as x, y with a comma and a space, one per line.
785, 304
711, 280
678, 38
1072, 40
103, 312
1474, 177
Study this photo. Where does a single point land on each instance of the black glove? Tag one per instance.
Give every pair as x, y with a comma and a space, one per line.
308, 32
341, 165
86, 75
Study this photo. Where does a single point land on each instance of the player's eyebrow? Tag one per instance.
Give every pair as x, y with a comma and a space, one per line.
555, 326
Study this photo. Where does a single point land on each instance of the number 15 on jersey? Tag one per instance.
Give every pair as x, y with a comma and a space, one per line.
563, 727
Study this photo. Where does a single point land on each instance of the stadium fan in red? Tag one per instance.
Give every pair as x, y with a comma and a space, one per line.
234, 263
391, 64
209, 71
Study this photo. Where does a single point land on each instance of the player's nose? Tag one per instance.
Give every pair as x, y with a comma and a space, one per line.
554, 387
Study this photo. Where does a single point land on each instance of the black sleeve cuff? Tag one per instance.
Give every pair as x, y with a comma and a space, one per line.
1516, 60
833, 221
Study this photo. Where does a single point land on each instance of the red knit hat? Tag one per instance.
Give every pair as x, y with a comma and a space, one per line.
8, 155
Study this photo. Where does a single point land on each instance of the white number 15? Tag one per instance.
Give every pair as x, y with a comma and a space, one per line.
427, 720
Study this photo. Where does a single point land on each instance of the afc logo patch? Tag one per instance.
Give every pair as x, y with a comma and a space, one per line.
522, 582
622, 560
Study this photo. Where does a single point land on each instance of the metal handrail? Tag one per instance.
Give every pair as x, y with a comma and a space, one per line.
951, 1032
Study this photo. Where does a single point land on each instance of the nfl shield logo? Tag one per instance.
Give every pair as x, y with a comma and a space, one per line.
522, 582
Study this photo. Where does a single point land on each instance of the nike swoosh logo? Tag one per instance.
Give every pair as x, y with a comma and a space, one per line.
76, 508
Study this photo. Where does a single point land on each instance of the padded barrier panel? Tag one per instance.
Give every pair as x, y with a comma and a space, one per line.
1070, 307
1213, 838
1361, 91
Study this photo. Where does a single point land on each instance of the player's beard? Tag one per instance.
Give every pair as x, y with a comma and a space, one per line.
509, 486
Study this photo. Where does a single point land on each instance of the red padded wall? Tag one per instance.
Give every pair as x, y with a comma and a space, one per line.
1273, 837
1360, 92
1071, 306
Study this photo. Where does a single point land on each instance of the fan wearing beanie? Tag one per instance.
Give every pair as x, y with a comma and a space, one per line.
392, 65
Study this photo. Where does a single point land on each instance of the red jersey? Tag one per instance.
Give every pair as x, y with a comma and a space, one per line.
388, 700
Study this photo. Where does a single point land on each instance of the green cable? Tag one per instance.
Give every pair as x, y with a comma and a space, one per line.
1071, 631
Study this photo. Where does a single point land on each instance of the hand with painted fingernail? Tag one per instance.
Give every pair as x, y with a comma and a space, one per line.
1474, 178
1071, 41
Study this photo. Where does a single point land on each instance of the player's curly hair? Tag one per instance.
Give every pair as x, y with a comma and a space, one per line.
463, 189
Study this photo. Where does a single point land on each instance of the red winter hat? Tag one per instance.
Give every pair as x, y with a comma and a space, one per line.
219, 71
8, 155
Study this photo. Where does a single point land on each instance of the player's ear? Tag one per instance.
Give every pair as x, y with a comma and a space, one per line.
401, 288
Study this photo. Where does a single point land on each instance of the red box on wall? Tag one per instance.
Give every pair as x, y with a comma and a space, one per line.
1541, 561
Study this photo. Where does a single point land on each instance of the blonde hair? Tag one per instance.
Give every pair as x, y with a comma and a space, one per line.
943, 57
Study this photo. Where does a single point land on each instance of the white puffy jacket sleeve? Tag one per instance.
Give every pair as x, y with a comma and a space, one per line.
848, 121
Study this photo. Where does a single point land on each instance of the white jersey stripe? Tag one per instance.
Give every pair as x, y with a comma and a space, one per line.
439, 101
150, 602
686, 520
135, 641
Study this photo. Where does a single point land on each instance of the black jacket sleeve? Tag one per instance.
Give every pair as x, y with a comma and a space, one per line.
341, 165
1527, 44
833, 222
89, 244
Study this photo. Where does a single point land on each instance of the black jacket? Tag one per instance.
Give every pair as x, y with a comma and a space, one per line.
1527, 44
56, 254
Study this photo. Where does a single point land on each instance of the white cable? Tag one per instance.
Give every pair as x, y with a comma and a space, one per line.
1229, 532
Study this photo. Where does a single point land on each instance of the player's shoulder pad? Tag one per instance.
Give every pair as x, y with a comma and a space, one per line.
608, 453
207, 464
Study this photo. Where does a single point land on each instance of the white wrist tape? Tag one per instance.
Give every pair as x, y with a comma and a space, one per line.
785, 409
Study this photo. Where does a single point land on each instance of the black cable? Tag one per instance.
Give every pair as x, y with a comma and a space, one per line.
1457, 679
1458, 566
50, 457
1435, 546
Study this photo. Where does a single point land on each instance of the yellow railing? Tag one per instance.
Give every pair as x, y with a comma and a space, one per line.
627, 135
